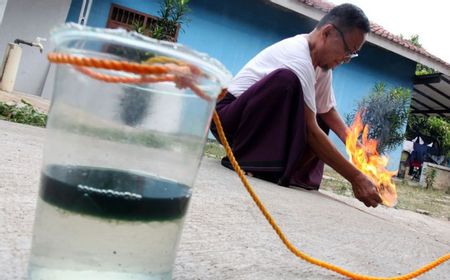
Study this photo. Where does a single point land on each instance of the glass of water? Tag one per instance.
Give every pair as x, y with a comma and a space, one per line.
120, 159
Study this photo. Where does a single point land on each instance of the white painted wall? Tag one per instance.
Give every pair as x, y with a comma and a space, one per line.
26, 20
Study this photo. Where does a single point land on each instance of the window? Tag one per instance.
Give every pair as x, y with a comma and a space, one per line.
121, 17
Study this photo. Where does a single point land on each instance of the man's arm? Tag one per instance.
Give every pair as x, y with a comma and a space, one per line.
363, 188
334, 121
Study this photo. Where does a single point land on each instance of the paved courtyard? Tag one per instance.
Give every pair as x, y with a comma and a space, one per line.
225, 235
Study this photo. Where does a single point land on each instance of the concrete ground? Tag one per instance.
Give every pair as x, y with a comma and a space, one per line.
225, 235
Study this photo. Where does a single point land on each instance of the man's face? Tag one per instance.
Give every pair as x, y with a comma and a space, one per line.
339, 47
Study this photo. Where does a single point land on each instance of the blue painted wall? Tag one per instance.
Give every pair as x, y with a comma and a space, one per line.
234, 31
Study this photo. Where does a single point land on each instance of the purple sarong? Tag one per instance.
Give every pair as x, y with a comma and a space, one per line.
266, 129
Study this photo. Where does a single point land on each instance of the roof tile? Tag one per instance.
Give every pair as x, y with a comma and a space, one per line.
326, 6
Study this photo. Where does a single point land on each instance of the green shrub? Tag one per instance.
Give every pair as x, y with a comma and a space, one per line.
433, 127
22, 113
385, 111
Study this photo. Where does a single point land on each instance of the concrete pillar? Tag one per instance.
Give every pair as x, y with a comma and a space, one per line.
10, 67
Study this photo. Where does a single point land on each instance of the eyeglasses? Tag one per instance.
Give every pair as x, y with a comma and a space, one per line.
348, 53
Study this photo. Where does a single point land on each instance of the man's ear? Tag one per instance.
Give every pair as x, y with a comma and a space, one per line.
326, 30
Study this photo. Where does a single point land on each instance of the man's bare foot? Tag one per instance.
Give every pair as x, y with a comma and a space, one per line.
249, 174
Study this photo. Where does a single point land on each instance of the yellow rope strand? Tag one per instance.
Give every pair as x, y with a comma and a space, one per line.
291, 247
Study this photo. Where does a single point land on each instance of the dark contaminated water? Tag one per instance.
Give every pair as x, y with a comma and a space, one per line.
113, 194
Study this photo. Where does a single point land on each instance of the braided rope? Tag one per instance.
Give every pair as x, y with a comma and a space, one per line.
289, 245
179, 73
169, 73
131, 67
128, 80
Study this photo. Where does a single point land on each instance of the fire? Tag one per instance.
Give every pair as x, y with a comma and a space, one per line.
365, 157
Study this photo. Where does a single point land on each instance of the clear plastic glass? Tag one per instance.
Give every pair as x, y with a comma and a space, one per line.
119, 161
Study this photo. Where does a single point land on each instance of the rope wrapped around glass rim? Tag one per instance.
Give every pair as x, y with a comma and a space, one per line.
165, 69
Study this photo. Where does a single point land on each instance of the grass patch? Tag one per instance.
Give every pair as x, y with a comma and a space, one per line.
23, 113
337, 186
410, 196
416, 198
334, 182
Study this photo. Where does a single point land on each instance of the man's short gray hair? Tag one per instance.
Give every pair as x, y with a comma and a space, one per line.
346, 17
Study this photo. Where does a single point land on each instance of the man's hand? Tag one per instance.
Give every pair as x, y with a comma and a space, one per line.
365, 190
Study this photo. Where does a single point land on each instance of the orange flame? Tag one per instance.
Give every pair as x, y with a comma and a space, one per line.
366, 158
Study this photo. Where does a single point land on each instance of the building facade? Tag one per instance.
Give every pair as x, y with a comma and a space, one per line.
231, 31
